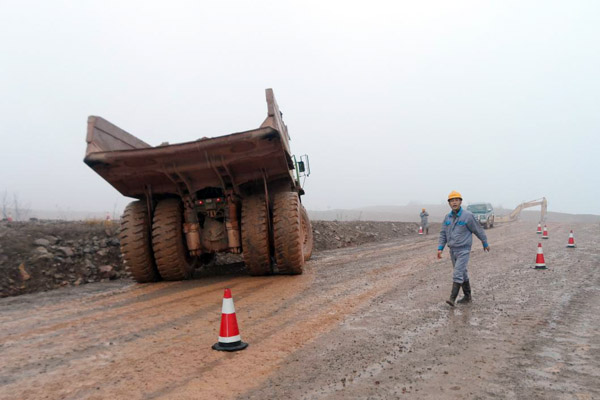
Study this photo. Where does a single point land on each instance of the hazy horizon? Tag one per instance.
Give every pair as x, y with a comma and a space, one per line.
394, 102
407, 212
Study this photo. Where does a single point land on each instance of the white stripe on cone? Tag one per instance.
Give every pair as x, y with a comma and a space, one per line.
545, 233
228, 307
543, 264
230, 339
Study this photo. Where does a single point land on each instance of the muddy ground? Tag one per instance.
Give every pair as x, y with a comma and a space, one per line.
362, 322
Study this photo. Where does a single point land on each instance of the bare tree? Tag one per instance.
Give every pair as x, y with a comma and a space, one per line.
21, 210
5, 204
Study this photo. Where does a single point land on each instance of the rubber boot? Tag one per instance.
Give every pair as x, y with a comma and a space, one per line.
454, 294
466, 286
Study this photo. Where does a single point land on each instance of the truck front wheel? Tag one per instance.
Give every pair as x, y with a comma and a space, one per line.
287, 232
136, 246
170, 251
255, 235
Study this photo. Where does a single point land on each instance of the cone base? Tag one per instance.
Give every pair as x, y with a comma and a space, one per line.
571, 246
544, 237
235, 346
542, 267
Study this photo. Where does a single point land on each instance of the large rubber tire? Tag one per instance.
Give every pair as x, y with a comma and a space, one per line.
136, 243
287, 233
170, 251
255, 235
307, 234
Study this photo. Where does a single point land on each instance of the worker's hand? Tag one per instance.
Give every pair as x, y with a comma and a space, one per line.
486, 248
439, 256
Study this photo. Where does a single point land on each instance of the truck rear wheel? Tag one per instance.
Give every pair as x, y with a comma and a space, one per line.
307, 234
136, 245
287, 232
255, 235
170, 251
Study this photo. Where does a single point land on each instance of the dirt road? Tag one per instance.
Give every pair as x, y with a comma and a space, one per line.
364, 322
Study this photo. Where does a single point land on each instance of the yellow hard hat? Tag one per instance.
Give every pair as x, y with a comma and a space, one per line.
422, 209
454, 195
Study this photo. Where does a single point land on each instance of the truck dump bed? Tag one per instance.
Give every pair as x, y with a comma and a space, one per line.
133, 167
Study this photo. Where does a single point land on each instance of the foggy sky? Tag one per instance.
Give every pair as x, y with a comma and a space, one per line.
393, 101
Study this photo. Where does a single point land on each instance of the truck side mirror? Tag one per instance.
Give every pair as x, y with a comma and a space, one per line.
301, 166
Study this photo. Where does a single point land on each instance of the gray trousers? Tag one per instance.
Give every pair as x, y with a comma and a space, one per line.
460, 259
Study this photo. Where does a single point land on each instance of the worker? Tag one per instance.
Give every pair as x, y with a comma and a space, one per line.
457, 232
424, 221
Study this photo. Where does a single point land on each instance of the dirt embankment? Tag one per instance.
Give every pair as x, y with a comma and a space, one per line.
43, 255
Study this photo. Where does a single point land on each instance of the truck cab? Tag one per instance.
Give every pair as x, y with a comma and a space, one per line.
484, 213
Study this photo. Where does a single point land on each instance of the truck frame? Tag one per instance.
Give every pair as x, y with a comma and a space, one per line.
238, 193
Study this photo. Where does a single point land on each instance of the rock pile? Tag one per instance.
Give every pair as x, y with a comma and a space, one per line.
42, 255
338, 234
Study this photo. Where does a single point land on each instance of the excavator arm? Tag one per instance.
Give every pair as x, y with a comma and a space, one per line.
514, 215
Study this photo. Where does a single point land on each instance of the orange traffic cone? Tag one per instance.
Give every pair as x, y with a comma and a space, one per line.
540, 263
571, 242
545, 234
539, 229
229, 336
420, 230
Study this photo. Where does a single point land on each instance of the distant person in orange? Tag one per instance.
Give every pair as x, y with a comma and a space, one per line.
424, 221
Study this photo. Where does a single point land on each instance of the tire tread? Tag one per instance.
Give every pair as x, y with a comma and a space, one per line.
255, 236
287, 232
170, 252
136, 244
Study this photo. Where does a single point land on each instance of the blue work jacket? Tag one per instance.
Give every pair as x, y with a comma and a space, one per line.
458, 229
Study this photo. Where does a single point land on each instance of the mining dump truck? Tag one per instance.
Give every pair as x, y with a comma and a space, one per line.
238, 193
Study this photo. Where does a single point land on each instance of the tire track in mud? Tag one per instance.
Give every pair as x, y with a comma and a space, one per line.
432, 351
83, 354
317, 315
113, 328
87, 294
166, 302
298, 313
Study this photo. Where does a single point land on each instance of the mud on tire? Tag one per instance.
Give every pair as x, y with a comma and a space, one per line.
255, 235
136, 245
307, 234
170, 250
287, 232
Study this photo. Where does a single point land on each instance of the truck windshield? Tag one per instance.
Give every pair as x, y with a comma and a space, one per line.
477, 208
